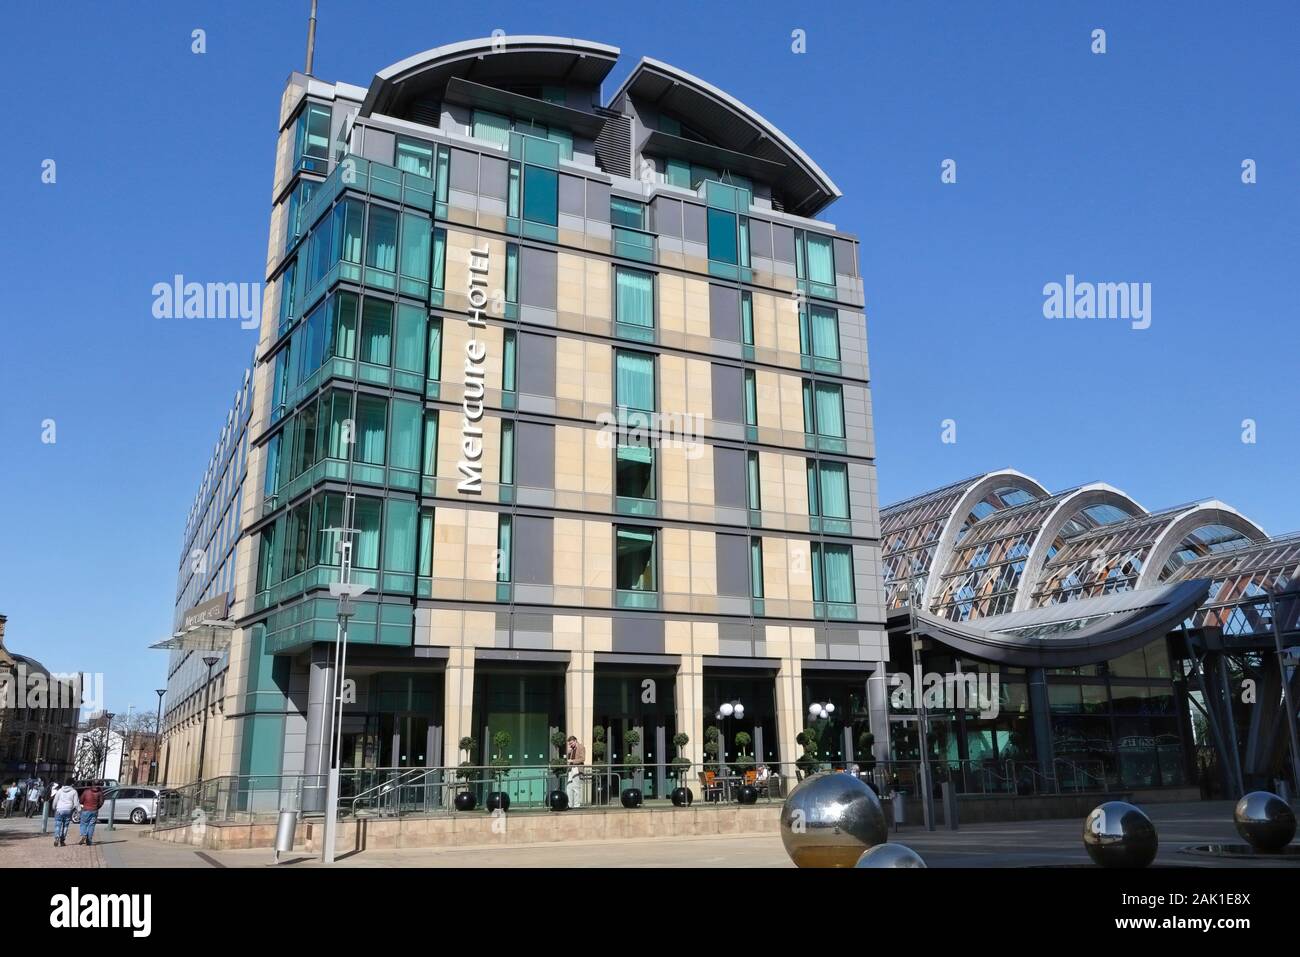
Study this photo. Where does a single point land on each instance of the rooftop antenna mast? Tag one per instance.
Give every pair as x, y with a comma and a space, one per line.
311, 37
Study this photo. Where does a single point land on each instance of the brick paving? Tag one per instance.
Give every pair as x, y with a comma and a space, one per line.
23, 845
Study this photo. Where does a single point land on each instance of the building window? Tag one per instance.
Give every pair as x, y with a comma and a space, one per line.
365, 542
635, 559
512, 272
345, 325
287, 295
414, 156
823, 408
409, 350
634, 381
504, 535
541, 195
751, 398
439, 278
434, 368
311, 149
429, 448
832, 573
756, 567
404, 435
828, 489
634, 297
819, 332
424, 565
376, 331
416, 242
753, 494
635, 472
381, 239
814, 258
747, 317
298, 200
443, 177
626, 212
724, 244
400, 536
507, 474
508, 361
491, 128
372, 416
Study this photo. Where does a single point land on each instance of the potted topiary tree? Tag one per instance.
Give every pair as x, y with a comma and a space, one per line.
631, 796
465, 798
500, 763
807, 762
681, 795
599, 756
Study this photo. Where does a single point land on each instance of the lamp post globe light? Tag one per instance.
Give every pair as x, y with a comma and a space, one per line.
157, 737
108, 740
210, 661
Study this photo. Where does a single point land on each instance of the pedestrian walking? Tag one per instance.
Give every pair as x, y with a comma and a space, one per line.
576, 756
35, 794
64, 803
91, 799
11, 798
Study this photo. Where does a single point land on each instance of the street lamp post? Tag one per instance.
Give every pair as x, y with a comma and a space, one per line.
821, 710
729, 709
345, 590
210, 661
108, 741
915, 594
157, 737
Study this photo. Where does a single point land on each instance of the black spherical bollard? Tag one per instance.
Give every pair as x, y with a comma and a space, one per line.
557, 801
631, 797
748, 794
465, 801
682, 797
498, 801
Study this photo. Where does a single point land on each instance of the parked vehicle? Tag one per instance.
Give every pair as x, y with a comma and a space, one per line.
103, 784
139, 805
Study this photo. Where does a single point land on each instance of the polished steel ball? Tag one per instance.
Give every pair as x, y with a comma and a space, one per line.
890, 855
829, 820
1264, 821
557, 801
1117, 834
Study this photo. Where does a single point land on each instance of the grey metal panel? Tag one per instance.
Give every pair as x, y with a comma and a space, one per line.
378, 146
782, 243
614, 658
538, 269
730, 481
638, 634
493, 178
733, 564
728, 393
573, 194
724, 312
533, 549
464, 170
844, 264
666, 216
536, 364
853, 667
597, 201
534, 455
757, 664
520, 654
760, 238
694, 223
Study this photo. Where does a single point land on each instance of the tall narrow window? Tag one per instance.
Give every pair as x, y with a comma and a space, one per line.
414, 156
408, 355
416, 240
723, 244
439, 279
287, 295
491, 127
372, 415
508, 361
376, 331
832, 573
443, 171
819, 332
434, 368
311, 150
635, 471
754, 494
507, 474
429, 447
504, 542
424, 565
823, 408
404, 434
381, 240
635, 559
751, 398
512, 272
365, 541
348, 216
756, 567
345, 325
747, 317
634, 299
541, 195
828, 489
634, 385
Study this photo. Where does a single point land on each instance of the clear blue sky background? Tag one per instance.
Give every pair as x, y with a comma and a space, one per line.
1121, 167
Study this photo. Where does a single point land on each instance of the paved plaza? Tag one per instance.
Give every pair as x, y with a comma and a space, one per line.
1015, 844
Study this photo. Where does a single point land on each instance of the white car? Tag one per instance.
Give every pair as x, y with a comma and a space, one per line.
139, 805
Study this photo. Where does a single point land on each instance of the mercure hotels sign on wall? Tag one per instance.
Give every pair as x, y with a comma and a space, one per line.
471, 430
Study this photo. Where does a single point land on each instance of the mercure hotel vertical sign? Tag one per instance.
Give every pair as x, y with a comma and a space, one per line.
471, 430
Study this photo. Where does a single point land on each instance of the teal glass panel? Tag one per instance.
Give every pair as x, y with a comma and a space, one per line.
491, 127
512, 272
416, 242
507, 473
825, 332
756, 567
365, 541
508, 362
814, 499
271, 480
678, 173
634, 297
376, 332
747, 317
381, 240
838, 561
424, 564
541, 195
626, 212
429, 460
751, 398
504, 534
562, 139
400, 536
435, 349
833, 491
372, 414
635, 380
722, 237
830, 409
443, 173
439, 279
335, 431
411, 326
753, 491
512, 192
821, 260
404, 434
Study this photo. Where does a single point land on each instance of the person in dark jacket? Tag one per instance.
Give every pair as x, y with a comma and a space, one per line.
91, 799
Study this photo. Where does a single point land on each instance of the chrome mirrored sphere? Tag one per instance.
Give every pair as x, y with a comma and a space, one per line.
1117, 834
1264, 821
829, 820
890, 855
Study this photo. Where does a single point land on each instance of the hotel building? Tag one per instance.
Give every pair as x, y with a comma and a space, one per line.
582, 381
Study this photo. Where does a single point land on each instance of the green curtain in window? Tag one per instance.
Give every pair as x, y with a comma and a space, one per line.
492, 128
429, 464
414, 156
376, 331
635, 381
381, 240
416, 240
444, 172
825, 332
400, 536
365, 541
512, 272
439, 279
424, 566
634, 299
635, 558
830, 410
751, 398
371, 414
756, 567
626, 212
754, 494
270, 482
345, 325
747, 318
435, 349
507, 474
404, 434
508, 362
838, 560
503, 547
350, 250
411, 326
821, 260
814, 498
330, 515
833, 494
340, 413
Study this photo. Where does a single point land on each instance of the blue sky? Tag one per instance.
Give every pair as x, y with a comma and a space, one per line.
1122, 167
